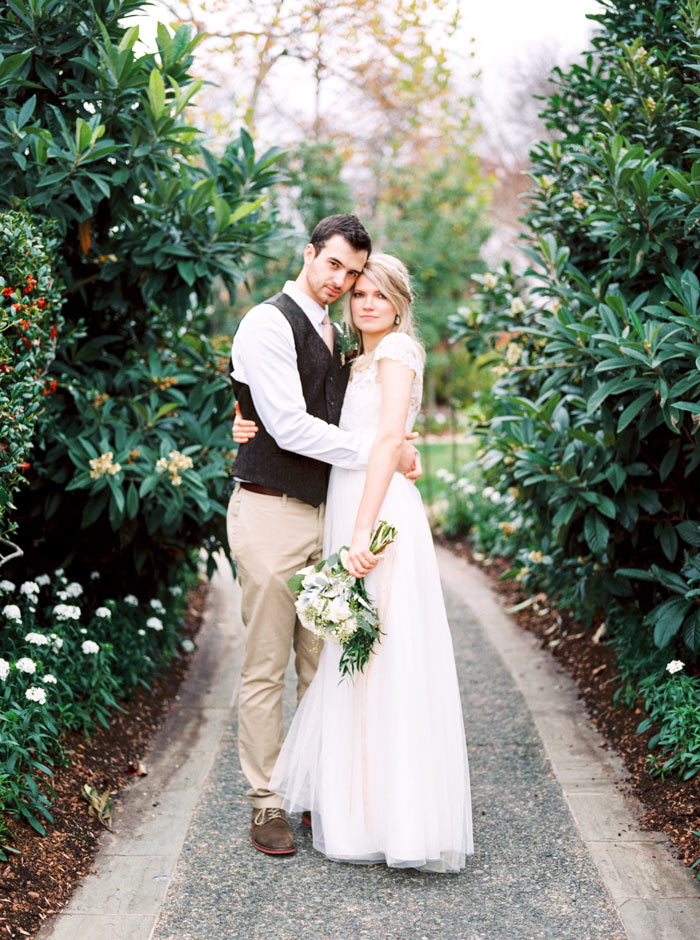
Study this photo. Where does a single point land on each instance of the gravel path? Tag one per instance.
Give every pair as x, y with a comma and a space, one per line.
531, 876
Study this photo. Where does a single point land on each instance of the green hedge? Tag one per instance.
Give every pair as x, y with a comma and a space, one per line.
597, 415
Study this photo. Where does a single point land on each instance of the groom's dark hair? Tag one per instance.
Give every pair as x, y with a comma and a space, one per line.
349, 226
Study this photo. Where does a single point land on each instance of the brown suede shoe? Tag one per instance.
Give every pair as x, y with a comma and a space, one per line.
270, 832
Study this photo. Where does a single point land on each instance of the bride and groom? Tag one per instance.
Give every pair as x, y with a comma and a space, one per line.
376, 763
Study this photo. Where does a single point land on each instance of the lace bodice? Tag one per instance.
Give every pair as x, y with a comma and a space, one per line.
363, 399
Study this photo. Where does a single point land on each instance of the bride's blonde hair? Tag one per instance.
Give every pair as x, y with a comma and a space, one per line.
392, 279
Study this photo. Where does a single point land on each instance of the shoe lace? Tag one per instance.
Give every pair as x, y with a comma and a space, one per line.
266, 814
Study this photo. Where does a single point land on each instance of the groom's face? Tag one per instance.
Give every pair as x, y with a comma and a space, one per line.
333, 271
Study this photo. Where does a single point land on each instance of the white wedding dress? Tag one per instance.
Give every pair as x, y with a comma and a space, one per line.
380, 758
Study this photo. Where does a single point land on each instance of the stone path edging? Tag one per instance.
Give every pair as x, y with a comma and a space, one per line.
656, 897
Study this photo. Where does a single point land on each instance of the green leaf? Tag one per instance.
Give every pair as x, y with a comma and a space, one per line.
596, 532
632, 410
690, 532
667, 619
691, 631
156, 93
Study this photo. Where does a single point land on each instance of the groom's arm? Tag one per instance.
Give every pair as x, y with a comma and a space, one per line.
264, 357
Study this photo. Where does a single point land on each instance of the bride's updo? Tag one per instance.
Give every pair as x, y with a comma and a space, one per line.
392, 279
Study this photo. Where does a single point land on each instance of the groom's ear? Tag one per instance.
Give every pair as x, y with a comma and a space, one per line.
309, 253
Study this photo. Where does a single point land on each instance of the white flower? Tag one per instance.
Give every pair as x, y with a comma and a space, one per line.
674, 666
187, 645
4, 669
338, 610
35, 694
42, 580
37, 639
130, 599
56, 642
490, 281
12, 612
66, 612
29, 588
104, 612
6, 586
141, 632
59, 572
89, 647
94, 575
62, 595
74, 589
157, 606
154, 623
26, 665
83, 630
175, 590
49, 679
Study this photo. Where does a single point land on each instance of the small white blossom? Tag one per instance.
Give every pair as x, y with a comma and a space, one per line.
94, 575
89, 647
42, 580
130, 599
12, 612
175, 590
56, 642
66, 612
187, 645
104, 612
141, 632
37, 639
74, 589
36, 694
83, 630
154, 623
26, 665
4, 669
674, 666
62, 595
59, 572
6, 586
49, 679
29, 588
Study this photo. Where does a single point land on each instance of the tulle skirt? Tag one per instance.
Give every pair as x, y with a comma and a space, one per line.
380, 758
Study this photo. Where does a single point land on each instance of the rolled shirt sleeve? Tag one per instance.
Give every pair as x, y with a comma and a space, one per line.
264, 357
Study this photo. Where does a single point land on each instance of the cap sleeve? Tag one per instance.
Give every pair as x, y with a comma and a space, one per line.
401, 348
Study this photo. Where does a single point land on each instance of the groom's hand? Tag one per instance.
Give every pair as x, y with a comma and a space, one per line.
409, 460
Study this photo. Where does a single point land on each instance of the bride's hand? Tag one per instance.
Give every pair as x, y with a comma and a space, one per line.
243, 430
359, 560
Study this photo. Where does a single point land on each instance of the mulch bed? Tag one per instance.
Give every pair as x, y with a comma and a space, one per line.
670, 805
39, 881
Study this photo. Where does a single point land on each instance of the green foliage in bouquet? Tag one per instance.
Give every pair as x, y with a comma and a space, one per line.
95, 134
597, 408
30, 320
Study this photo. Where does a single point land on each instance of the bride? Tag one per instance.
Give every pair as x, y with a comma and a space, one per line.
380, 759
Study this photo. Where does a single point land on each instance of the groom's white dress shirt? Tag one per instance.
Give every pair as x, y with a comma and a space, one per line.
264, 358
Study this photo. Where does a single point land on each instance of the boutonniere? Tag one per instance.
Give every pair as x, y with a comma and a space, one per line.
348, 343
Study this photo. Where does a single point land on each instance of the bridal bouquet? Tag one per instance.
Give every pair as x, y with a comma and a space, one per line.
334, 605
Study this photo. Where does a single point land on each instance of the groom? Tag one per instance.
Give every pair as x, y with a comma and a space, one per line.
289, 377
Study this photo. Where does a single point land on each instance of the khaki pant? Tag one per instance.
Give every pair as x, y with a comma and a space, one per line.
271, 537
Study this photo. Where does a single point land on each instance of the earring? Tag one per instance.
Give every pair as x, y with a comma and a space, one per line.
397, 320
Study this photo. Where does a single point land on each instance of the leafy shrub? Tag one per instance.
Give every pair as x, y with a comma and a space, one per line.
597, 409
30, 320
672, 703
97, 136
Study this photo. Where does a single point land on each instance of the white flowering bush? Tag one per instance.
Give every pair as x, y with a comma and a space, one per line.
67, 655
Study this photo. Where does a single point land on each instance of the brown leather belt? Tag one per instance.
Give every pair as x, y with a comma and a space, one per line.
262, 490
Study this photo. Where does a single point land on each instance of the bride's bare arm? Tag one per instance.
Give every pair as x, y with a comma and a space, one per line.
396, 380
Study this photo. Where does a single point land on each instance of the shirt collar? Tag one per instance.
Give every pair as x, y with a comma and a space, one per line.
315, 312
